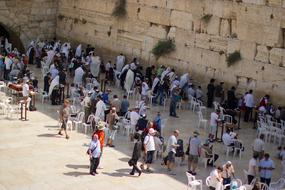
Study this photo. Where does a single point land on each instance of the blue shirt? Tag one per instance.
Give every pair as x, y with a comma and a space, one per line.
265, 173
95, 149
105, 98
125, 105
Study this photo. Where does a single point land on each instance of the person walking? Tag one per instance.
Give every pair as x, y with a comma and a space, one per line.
136, 155
266, 166
63, 117
171, 149
258, 146
194, 152
94, 152
173, 103
249, 104
149, 149
112, 117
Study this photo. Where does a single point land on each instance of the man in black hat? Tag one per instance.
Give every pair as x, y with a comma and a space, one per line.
210, 93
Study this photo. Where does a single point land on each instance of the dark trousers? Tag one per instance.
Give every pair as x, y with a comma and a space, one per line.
247, 114
210, 101
211, 162
250, 178
94, 162
61, 94
264, 180
135, 167
172, 109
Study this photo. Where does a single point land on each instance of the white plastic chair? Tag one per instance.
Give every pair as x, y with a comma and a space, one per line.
205, 158
79, 120
91, 119
228, 119
227, 149
202, 120
238, 146
44, 95
192, 182
208, 179
3, 86
280, 184
263, 186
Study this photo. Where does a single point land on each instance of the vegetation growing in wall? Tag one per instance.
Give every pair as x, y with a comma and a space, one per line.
84, 21
233, 58
163, 47
120, 9
206, 18
60, 17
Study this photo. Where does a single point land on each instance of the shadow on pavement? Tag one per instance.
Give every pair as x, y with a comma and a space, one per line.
119, 173
76, 174
74, 166
49, 135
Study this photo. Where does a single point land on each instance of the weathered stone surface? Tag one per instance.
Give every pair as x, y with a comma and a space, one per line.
262, 54
233, 45
256, 2
277, 56
248, 50
155, 15
181, 20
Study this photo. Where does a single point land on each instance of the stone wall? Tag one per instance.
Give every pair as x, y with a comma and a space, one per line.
29, 19
255, 28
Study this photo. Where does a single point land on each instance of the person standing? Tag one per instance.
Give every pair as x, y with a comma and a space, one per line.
100, 108
249, 104
252, 168
124, 106
149, 149
120, 62
173, 103
232, 100
134, 117
111, 120
94, 152
210, 93
63, 116
171, 148
86, 102
213, 125
136, 155
266, 166
258, 146
216, 178
219, 93
194, 152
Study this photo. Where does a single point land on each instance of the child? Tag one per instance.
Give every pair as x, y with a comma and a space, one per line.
136, 155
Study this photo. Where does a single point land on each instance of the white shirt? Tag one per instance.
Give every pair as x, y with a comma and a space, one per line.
258, 145
249, 100
171, 141
149, 142
78, 75
8, 63
107, 66
134, 117
199, 93
214, 118
251, 165
100, 109
155, 82
227, 139
145, 88
191, 92
214, 175
26, 90
120, 62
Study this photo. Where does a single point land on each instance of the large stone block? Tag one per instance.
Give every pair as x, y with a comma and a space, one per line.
213, 26
256, 2
156, 31
218, 44
262, 54
277, 56
154, 3
225, 28
155, 15
181, 20
248, 50
202, 41
176, 5
274, 2
233, 45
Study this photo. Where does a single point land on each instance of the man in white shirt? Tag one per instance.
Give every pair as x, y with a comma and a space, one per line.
120, 61
134, 117
78, 76
258, 146
228, 139
25, 90
213, 124
252, 168
149, 149
145, 89
249, 104
100, 109
171, 149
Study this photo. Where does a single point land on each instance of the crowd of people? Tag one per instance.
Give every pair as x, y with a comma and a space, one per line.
91, 76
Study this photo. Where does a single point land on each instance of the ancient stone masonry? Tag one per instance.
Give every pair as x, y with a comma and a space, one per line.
206, 32
29, 19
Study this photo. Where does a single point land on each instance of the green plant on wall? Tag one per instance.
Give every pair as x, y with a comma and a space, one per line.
206, 18
120, 9
163, 47
60, 17
233, 58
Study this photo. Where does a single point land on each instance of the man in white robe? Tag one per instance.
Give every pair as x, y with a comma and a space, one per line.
78, 76
100, 109
50, 56
95, 66
78, 51
129, 80
53, 84
120, 62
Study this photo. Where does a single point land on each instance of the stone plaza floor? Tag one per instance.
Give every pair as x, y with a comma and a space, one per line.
33, 156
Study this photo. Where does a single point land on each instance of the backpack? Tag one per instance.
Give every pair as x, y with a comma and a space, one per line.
180, 149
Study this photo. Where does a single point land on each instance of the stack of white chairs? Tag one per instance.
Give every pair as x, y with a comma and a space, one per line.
202, 121
44, 95
92, 119
79, 120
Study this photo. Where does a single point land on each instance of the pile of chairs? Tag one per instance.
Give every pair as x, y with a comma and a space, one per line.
273, 131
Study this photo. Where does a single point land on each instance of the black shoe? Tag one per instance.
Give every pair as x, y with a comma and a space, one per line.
140, 172
131, 173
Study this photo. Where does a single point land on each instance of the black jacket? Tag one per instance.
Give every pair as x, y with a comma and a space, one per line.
137, 151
